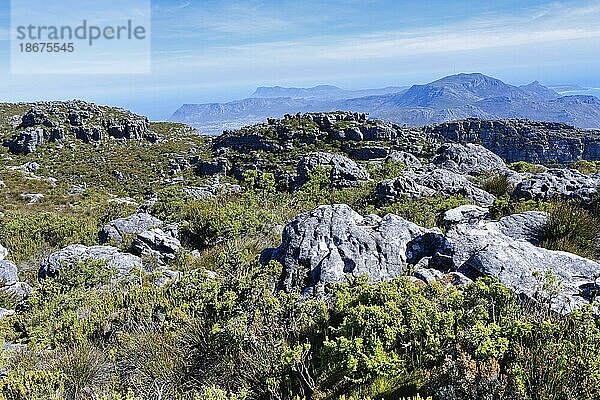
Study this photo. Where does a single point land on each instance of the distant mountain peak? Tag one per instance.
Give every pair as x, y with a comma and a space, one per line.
453, 97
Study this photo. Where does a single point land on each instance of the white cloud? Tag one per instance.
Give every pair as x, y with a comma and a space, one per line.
554, 23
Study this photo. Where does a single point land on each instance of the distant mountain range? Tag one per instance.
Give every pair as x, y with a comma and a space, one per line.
453, 97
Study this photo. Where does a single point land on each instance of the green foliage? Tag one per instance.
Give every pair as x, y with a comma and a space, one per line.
425, 211
389, 169
498, 185
31, 385
505, 205
211, 221
388, 330
573, 229
524, 166
29, 234
170, 203
300, 123
587, 167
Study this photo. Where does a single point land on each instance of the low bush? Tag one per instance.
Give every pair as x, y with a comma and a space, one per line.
526, 167
498, 185
573, 229
425, 212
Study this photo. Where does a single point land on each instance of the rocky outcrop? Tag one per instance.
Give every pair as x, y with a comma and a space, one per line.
366, 153
344, 171
57, 121
219, 166
527, 226
430, 182
114, 231
331, 243
8, 273
558, 184
325, 245
9, 281
468, 159
482, 248
122, 263
159, 244
409, 160
3, 252
524, 140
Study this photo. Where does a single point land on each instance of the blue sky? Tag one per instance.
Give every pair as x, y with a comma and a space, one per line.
205, 51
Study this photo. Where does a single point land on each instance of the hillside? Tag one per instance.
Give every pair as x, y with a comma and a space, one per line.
453, 97
314, 256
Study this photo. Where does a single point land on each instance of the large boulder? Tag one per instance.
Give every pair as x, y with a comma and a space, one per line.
430, 182
330, 242
114, 231
409, 160
469, 159
527, 226
9, 281
8, 273
558, 183
483, 248
344, 171
159, 244
72, 255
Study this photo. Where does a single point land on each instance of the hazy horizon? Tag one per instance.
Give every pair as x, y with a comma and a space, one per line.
217, 51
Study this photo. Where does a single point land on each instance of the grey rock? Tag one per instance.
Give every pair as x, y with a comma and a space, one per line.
30, 167
456, 279
158, 244
8, 273
558, 183
6, 313
409, 160
3, 252
27, 141
465, 214
430, 182
369, 152
132, 225
123, 263
18, 291
324, 245
32, 197
344, 171
527, 226
220, 166
167, 276
428, 275
482, 249
9, 282
468, 159
525, 140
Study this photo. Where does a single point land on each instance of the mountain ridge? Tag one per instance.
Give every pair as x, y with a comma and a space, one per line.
465, 95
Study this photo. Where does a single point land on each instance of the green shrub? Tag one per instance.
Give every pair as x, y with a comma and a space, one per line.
389, 169
498, 185
426, 211
505, 205
587, 167
573, 229
526, 167
28, 235
35, 384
